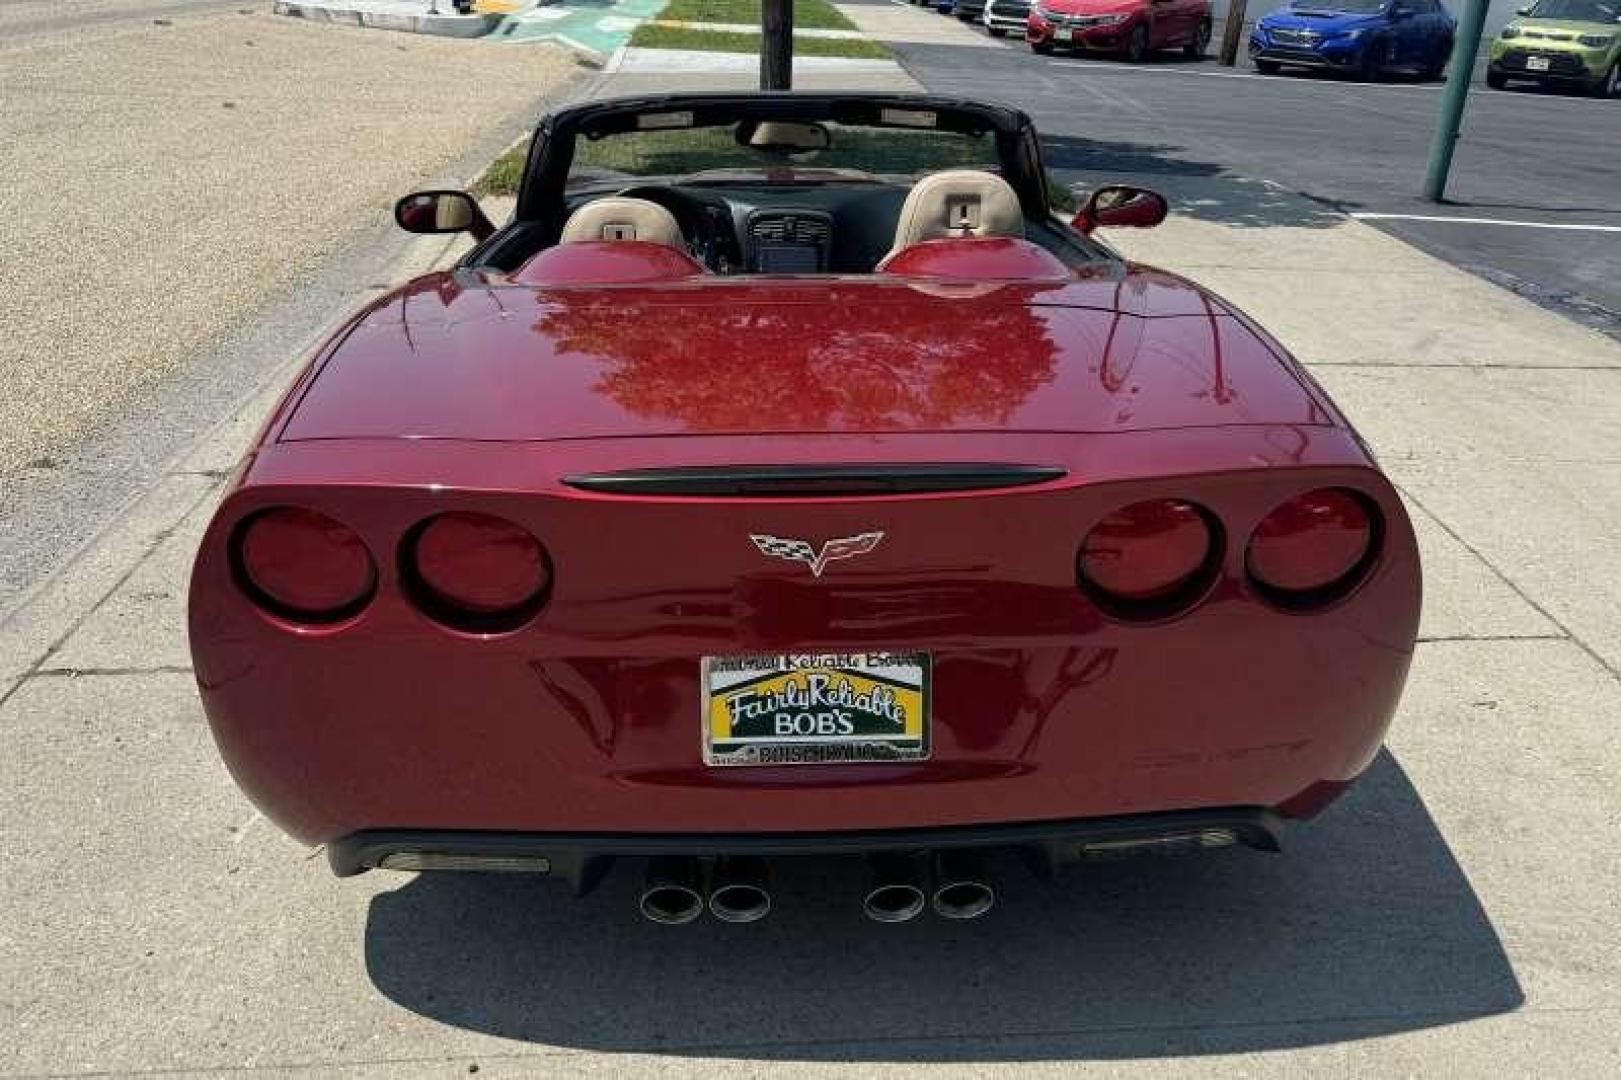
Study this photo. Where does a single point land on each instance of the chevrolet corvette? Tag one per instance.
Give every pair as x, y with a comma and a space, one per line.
787, 477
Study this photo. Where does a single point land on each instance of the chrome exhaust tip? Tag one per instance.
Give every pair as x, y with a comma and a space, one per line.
962, 889
738, 892
896, 893
672, 891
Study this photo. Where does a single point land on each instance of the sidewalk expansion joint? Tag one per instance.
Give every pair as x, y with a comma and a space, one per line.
74, 673
1572, 637
1443, 639
154, 543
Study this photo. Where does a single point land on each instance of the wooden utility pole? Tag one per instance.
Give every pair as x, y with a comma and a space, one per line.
1232, 34
777, 45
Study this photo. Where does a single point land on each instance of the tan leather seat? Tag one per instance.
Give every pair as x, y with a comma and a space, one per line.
958, 202
616, 218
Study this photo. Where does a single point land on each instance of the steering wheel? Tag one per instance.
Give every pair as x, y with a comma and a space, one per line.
696, 217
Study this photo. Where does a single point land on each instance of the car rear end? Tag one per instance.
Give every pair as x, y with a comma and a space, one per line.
1096, 582
403, 656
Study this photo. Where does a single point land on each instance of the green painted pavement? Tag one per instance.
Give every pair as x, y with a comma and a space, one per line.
597, 27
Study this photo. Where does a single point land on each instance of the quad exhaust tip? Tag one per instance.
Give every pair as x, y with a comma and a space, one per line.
738, 890
896, 893
893, 903
955, 884
962, 888
672, 891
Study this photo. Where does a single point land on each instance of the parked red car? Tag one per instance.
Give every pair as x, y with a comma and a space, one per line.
787, 477
1129, 28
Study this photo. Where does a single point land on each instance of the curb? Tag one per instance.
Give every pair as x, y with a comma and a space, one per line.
455, 26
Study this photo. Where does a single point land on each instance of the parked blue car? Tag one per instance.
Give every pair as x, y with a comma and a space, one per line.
1364, 38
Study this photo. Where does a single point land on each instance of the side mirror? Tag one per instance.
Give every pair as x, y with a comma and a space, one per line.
442, 212
1121, 206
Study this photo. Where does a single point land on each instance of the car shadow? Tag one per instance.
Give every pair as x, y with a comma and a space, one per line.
1166, 58
1196, 189
1364, 926
1541, 89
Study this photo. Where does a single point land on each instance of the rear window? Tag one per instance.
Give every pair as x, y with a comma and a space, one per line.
880, 151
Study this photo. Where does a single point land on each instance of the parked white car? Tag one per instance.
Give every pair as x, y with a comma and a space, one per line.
1003, 17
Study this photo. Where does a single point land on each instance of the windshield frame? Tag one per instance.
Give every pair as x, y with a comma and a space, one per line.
541, 191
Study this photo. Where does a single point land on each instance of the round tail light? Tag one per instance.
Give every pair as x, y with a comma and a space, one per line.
1313, 547
477, 570
1149, 555
304, 565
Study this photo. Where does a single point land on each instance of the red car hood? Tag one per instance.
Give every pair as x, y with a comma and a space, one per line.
756, 356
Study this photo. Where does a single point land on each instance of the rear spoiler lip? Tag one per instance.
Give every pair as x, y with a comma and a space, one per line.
845, 480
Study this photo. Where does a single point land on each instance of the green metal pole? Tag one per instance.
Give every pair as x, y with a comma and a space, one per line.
1460, 70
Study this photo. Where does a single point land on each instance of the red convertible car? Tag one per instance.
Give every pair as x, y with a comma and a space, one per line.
786, 477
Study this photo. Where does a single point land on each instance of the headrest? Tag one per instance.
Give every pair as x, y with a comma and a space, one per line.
959, 203
616, 218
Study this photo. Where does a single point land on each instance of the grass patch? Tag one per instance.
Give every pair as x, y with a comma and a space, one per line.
649, 36
808, 14
502, 177
1060, 197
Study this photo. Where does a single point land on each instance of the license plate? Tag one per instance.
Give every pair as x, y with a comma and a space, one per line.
816, 708
1063, 35
1536, 63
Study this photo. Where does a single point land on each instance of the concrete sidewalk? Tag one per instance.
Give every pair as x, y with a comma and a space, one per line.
1456, 915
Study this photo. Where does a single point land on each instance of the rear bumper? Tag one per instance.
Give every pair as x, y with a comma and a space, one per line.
580, 859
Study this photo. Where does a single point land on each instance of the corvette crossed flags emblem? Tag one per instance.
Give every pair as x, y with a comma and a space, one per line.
843, 547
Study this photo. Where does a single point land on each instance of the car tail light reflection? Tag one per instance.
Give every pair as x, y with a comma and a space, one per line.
1314, 547
477, 571
1148, 557
304, 565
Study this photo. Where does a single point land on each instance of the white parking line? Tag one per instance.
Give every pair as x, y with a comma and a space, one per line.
1562, 225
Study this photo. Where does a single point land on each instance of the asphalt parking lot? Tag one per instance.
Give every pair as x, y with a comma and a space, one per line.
1535, 197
